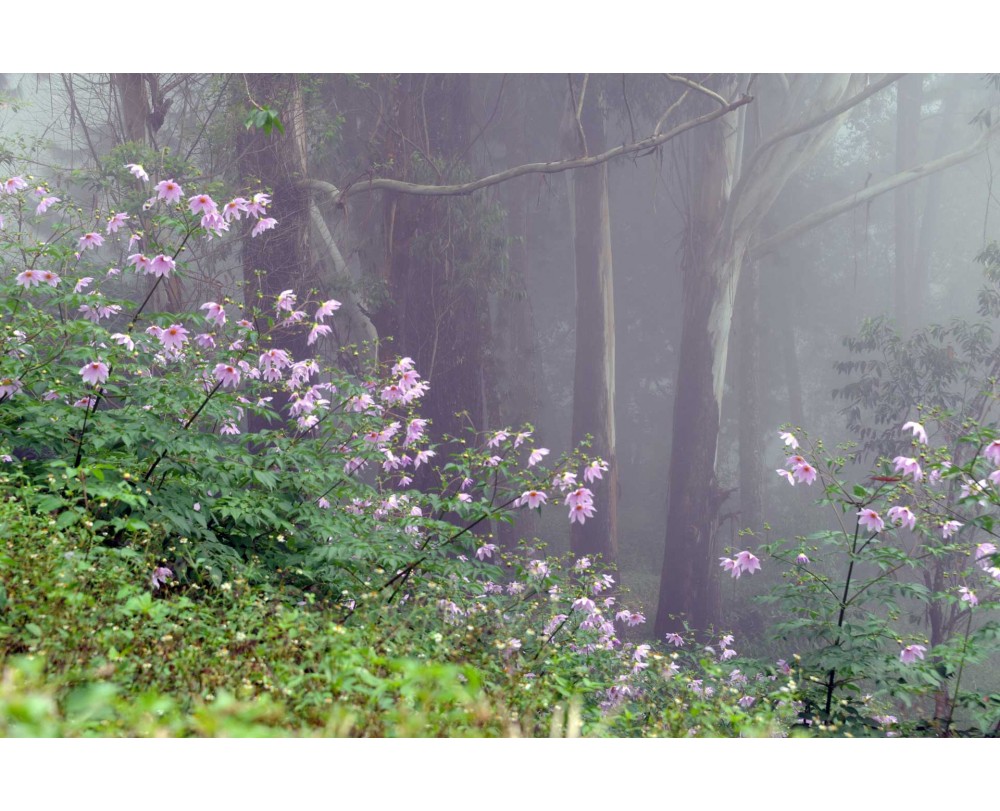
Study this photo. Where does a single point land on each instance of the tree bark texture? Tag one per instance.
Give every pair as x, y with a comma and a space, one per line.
594, 365
724, 214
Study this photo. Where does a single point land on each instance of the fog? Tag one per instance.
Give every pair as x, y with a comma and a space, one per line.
677, 267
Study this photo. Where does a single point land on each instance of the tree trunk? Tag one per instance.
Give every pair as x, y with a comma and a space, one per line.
133, 105
594, 369
436, 308
724, 214
686, 589
748, 386
908, 298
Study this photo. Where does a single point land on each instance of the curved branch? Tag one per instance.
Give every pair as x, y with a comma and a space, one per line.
552, 167
684, 80
890, 183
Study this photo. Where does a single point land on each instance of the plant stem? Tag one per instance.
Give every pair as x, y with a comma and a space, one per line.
840, 619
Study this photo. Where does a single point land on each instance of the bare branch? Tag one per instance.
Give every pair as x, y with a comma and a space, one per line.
552, 167
669, 110
684, 80
832, 113
894, 182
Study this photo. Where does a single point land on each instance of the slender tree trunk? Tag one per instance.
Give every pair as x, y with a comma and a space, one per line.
748, 386
908, 298
436, 308
930, 218
594, 367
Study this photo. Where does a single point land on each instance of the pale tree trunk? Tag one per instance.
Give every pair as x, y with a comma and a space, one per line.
930, 218
594, 366
748, 399
723, 216
908, 298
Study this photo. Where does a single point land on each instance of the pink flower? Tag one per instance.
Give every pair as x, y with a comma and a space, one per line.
902, 516
918, 431
266, 224
495, 440
161, 574
95, 372
949, 528
486, 551
909, 467
174, 337
747, 562
327, 308
214, 223
285, 300
45, 202
229, 428
202, 204
594, 470
871, 520
533, 498
91, 240
227, 375
786, 474
260, 202
50, 278
235, 208
636, 618
538, 568
169, 191
580, 512
14, 184
984, 555
115, 222
205, 340
465, 498
580, 496
675, 639
536, 456
137, 171
122, 339
83, 284
968, 596
789, 440
141, 262
133, 239
98, 311
414, 430
216, 313
9, 387
804, 472
316, 332
911, 653
992, 452
162, 265
802, 559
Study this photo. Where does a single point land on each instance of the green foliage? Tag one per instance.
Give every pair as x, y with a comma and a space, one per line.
856, 596
264, 118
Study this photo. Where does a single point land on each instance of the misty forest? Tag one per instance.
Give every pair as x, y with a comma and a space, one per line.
447, 405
